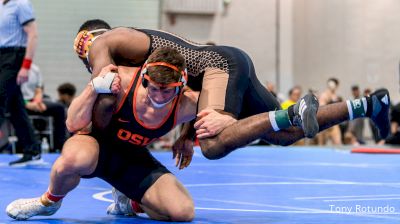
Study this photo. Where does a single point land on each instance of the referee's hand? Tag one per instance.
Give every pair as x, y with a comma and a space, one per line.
22, 76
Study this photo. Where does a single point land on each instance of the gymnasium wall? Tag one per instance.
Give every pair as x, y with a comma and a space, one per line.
249, 25
354, 40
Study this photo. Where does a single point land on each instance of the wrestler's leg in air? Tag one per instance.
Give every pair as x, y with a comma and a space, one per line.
260, 126
277, 128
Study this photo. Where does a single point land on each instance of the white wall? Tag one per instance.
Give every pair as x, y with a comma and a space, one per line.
354, 40
249, 25
58, 22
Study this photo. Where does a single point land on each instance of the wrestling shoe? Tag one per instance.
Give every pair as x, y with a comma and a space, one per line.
122, 205
380, 102
27, 159
305, 115
23, 209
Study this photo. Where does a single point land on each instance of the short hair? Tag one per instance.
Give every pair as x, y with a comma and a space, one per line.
67, 88
355, 87
165, 75
294, 88
335, 80
94, 24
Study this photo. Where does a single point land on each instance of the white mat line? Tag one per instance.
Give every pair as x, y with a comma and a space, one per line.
348, 196
305, 210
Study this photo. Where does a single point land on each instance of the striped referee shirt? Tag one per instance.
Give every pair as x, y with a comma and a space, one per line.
13, 16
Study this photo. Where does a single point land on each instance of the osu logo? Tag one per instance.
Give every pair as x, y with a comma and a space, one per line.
132, 138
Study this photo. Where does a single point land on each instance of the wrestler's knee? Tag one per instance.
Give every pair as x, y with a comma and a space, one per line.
183, 212
79, 155
66, 166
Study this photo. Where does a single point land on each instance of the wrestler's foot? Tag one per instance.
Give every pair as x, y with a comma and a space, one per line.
380, 103
23, 209
122, 205
305, 115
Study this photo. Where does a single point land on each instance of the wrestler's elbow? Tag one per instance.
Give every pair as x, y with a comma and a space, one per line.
74, 126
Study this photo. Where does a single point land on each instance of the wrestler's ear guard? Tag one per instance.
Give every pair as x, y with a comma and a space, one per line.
145, 82
84, 40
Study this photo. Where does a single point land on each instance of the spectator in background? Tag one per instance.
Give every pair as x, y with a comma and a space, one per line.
329, 96
18, 38
66, 93
35, 104
294, 96
271, 88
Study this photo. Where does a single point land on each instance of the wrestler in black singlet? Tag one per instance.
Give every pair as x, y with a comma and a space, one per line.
124, 161
245, 95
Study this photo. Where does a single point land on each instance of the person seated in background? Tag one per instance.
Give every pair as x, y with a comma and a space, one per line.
66, 93
36, 104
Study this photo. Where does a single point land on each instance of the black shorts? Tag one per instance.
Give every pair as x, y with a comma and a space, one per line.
131, 170
245, 95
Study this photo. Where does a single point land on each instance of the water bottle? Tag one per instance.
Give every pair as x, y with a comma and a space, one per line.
45, 145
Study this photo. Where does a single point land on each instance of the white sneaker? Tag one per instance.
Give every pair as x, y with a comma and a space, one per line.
23, 209
121, 205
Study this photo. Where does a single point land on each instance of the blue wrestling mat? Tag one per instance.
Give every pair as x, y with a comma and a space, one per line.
251, 185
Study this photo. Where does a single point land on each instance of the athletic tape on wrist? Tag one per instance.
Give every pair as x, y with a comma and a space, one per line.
103, 84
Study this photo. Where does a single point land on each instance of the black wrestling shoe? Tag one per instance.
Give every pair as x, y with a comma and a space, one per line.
27, 159
380, 103
305, 115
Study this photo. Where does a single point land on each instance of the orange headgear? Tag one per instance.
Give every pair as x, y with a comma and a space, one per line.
146, 78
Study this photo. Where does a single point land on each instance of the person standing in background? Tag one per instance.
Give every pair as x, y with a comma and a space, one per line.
329, 96
18, 40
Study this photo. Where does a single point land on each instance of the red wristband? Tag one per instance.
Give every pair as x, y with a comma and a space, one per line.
26, 63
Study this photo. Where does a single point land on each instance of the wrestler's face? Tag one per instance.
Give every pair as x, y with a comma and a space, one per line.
159, 94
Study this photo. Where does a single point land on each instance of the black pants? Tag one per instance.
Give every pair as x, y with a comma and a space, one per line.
11, 100
57, 111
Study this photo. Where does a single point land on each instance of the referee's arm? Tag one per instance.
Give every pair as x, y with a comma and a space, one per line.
30, 29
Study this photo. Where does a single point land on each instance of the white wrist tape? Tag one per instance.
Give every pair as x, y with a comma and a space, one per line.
103, 84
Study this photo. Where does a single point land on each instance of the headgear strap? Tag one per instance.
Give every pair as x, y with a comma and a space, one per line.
181, 83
